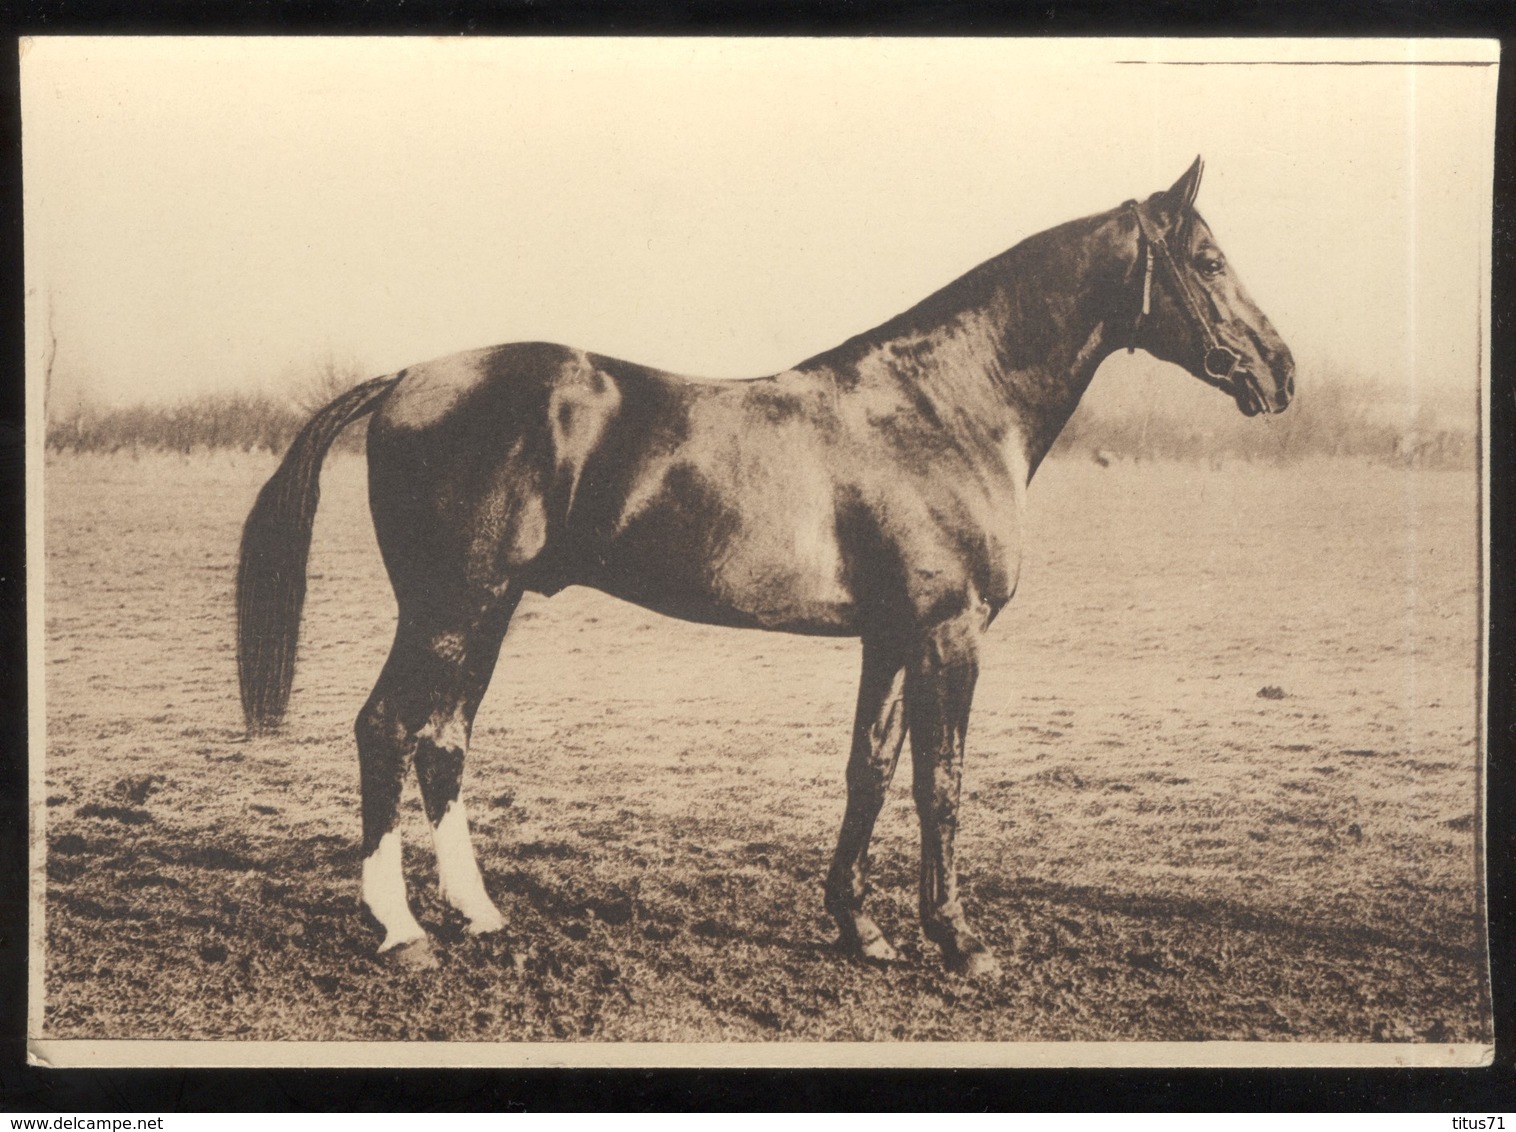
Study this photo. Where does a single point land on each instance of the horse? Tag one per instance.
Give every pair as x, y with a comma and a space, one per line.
875, 491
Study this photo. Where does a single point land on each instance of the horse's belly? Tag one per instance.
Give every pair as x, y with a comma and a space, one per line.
776, 570
818, 617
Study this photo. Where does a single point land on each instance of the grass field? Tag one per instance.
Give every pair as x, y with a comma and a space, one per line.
1222, 784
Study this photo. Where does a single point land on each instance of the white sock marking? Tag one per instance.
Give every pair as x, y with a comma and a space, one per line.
458, 871
384, 893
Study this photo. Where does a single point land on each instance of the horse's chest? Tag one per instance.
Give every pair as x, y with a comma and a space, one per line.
970, 548
994, 561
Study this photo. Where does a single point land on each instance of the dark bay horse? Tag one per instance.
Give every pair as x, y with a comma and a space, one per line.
874, 491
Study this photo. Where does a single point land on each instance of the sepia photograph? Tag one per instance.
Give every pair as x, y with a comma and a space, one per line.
774, 552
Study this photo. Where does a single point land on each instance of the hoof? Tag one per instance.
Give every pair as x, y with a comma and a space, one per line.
876, 951
483, 924
865, 942
413, 955
977, 963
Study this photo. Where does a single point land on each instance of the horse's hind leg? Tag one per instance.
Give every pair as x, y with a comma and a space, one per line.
386, 742
423, 708
878, 732
441, 746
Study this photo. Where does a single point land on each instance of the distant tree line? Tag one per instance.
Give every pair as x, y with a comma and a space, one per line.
1344, 419
1341, 418
247, 422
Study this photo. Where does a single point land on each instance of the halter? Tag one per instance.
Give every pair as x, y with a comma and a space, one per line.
1220, 363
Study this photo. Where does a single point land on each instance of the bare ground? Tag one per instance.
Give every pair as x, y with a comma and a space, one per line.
1156, 849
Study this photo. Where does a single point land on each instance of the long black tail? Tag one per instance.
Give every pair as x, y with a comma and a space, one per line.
276, 542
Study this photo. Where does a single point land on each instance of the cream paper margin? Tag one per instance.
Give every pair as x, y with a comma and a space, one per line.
187, 1054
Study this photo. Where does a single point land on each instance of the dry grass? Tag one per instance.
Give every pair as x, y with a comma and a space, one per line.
1156, 850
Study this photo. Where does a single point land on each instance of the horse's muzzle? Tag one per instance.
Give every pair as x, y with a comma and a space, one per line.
1222, 368
1246, 391
1248, 396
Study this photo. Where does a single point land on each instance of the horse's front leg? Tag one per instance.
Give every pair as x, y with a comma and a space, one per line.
939, 693
878, 733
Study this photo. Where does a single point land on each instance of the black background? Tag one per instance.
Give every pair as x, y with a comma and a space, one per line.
25, 1088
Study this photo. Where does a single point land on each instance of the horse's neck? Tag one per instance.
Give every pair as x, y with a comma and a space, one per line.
1069, 328
1026, 331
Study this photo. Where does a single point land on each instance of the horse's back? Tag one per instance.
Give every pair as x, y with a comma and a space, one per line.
552, 466
772, 502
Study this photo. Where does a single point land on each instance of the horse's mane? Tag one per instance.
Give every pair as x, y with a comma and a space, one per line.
974, 290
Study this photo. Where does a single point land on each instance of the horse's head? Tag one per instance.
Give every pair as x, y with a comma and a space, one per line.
1195, 312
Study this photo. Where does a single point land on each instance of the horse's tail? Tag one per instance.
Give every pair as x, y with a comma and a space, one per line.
276, 542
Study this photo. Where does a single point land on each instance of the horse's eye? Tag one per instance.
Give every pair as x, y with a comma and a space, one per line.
1210, 266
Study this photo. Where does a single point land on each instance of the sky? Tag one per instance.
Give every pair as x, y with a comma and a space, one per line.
222, 215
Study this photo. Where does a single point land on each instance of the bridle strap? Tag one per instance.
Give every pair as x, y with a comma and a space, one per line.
1147, 295
1225, 361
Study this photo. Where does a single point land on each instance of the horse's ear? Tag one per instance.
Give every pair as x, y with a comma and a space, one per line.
1182, 195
